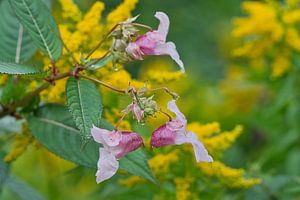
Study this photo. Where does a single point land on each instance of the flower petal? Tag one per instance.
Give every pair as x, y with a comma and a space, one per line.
163, 27
130, 142
97, 134
169, 48
107, 165
200, 151
179, 116
163, 136
106, 137
134, 51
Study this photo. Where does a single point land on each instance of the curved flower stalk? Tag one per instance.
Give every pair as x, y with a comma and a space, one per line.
154, 43
174, 133
116, 144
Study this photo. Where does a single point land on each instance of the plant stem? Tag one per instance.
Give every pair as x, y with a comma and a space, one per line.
102, 41
119, 122
102, 83
163, 112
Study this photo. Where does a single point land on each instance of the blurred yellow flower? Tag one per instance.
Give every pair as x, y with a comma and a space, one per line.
233, 178
269, 27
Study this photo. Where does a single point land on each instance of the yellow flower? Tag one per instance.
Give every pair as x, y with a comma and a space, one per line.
121, 13
22, 141
232, 178
70, 10
182, 188
3, 79
281, 64
160, 163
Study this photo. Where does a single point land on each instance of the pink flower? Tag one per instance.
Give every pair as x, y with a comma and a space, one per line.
174, 132
116, 144
138, 113
154, 43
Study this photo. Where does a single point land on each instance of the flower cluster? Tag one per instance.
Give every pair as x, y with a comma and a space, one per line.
117, 143
269, 32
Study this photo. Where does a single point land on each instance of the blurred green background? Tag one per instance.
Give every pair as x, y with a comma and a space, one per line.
269, 147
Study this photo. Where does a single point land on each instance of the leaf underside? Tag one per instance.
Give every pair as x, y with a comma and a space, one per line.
18, 69
40, 25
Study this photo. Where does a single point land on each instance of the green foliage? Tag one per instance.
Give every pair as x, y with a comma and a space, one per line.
94, 64
22, 190
12, 91
18, 69
53, 127
12, 34
37, 20
84, 103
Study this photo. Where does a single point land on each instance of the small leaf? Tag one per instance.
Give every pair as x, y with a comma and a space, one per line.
18, 69
53, 127
96, 65
37, 20
84, 103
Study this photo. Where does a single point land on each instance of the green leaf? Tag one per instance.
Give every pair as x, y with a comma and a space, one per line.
93, 65
22, 190
12, 91
37, 20
18, 69
84, 103
13, 37
53, 127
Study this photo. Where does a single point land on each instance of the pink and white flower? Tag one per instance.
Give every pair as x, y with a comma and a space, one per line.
154, 43
174, 133
116, 144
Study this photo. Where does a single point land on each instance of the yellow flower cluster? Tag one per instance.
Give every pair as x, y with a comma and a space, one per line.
160, 163
216, 142
270, 30
182, 188
22, 141
213, 139
232, 178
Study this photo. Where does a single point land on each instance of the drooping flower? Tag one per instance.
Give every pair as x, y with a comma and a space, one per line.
138, 113
115, 145
154, 43
174, 133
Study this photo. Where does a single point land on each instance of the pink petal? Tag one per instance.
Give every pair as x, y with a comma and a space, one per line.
148, 42
179, 116
138, 112
107, 165
113, 138
134, 51
106, 137
201, 153
163, 136
169, 48
164, 24
130, 142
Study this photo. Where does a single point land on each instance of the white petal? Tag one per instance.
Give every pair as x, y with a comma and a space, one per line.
173, 107
96, 133
201, 153
107, 165
169, 48
163, 27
